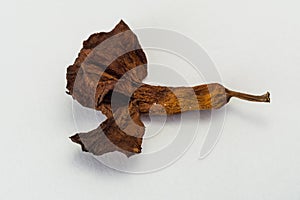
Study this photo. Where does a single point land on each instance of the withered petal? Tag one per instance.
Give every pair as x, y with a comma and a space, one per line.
103, 60
118, 133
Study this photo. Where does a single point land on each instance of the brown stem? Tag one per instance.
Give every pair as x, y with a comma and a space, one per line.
248, 97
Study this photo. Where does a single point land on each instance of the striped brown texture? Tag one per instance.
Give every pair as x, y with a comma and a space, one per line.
107, 76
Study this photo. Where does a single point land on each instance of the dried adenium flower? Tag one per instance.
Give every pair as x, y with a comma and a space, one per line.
107, 76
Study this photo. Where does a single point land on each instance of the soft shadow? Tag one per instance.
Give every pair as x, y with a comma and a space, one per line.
86, 161
248, 116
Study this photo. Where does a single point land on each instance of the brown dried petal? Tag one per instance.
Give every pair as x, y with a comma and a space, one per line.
123, 132
103, 60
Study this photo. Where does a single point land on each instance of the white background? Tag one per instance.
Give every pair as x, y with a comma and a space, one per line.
256, 47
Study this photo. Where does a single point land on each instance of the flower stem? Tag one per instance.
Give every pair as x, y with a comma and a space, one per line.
248, 97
